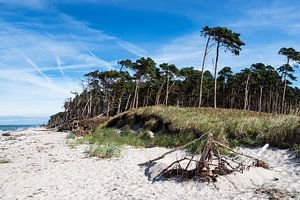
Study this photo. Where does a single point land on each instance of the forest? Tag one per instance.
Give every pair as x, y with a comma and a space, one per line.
143, 82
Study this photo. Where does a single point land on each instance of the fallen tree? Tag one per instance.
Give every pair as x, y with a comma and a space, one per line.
210, 163
75, 125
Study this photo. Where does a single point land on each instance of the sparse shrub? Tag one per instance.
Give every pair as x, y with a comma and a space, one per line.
70, 135
106, 150
4, 161
234, 143
145, 135
296, 148
151, 123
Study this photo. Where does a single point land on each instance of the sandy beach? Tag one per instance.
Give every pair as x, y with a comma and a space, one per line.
42, 166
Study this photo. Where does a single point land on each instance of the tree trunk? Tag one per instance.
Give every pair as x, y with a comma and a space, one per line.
246, 92
157, 100
119, 105
215, 74
135, 97
202, 71
148, 97
90, 105
167, 91
284, 88
249, 102
260, 98
127, 102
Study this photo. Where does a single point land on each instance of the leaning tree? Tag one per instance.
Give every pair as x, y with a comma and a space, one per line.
287, 70
205, 32
170, 71
143, 68
229, 41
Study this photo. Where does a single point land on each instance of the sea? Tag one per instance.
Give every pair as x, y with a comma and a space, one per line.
10, 128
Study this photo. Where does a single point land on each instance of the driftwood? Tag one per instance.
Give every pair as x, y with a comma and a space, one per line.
173, 150
211, 163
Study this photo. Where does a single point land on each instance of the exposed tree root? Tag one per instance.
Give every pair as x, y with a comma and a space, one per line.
211, 163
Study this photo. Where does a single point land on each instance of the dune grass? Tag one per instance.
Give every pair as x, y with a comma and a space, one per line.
106, 150
70, 135
5, 161
296, 149
227, 125
175, 126
103, 136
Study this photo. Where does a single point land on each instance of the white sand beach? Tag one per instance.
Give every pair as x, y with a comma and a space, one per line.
42, 166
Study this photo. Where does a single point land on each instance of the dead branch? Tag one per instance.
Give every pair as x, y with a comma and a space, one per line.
233, 151
211, 163
171, 151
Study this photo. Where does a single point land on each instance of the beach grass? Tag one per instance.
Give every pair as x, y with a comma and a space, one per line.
104, 150
176, 126
5, 161
228, 125
296, 149
70, 135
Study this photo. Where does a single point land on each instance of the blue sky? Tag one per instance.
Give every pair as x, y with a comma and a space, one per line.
47, 46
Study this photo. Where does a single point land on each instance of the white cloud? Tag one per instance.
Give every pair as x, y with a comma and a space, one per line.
187, 50
183, 51
131, 48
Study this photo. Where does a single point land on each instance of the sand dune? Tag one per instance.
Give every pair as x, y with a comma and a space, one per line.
43, 167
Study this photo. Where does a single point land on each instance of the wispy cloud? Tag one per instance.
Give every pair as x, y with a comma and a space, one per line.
131, 48
34, 4
281, 15
58, 62
45, 64
187, 50
57, 49
183, 51
37, 68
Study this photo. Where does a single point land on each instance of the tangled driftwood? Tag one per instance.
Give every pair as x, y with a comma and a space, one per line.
210, 164
77, 126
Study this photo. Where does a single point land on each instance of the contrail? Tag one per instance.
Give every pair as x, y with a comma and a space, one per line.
37, 68
58, 62
92, 54
103, 62
66, 67
69, 67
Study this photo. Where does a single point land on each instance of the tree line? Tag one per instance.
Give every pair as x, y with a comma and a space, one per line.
143, 82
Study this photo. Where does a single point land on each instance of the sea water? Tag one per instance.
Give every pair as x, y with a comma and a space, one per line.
10, 128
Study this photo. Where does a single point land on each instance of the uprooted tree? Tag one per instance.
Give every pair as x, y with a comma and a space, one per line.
210, 163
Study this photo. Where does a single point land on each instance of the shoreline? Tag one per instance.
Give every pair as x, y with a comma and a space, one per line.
42, 166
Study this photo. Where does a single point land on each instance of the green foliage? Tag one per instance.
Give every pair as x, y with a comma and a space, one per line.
227, 38
141, 138
143, 83
172, 140
4, 161
234, 127
70, 135
105, 150
296, 148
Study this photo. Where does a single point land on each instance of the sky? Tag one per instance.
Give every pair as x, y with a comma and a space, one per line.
46, 46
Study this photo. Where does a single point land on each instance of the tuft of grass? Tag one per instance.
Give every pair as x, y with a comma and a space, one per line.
5, 161
296, 148
70, 135
106, 150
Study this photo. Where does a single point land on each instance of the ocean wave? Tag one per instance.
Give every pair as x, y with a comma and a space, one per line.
10, 128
